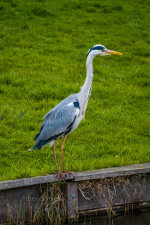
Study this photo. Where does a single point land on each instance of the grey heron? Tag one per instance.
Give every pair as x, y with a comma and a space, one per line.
65, 117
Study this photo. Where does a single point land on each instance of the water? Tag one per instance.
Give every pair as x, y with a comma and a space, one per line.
136, 219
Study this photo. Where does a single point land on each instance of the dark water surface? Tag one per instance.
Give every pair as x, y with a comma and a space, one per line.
136, 219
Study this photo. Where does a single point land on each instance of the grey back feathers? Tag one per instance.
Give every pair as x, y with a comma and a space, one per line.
58, 122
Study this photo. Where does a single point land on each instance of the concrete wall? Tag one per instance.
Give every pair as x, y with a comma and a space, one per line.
88, 191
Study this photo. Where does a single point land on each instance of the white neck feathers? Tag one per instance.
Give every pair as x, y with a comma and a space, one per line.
86, 88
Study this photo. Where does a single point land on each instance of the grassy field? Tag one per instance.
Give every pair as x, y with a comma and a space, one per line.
43, 47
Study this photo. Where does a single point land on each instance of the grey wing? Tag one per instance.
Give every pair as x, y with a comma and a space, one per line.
57, 122
69, 99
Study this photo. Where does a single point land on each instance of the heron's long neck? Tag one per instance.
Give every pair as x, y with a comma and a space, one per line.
86, 89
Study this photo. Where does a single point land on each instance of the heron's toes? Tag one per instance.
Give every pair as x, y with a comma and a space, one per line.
61, 175
70, 173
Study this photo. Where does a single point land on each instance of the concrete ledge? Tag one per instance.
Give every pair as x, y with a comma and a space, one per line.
79, 176
88, 191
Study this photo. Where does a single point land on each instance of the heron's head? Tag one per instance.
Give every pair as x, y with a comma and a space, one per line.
101, 50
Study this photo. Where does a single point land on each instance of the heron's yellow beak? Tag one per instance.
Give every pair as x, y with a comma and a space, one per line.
113, 52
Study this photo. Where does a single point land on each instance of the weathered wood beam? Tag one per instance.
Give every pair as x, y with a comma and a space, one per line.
79, 176
105, 188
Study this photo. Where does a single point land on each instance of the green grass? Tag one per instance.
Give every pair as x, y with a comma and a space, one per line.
43, 47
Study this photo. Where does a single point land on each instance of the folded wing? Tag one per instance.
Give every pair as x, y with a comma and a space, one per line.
58, 122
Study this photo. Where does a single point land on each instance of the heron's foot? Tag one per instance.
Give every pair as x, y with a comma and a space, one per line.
63, 175
69, 172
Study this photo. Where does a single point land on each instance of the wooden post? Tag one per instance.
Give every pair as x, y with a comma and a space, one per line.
72, 200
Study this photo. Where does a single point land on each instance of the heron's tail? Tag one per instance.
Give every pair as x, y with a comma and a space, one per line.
40, 144
36, 136
35, 148
37, 143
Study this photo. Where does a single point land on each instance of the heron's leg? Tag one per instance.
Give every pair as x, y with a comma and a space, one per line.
62, 152
54, 147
